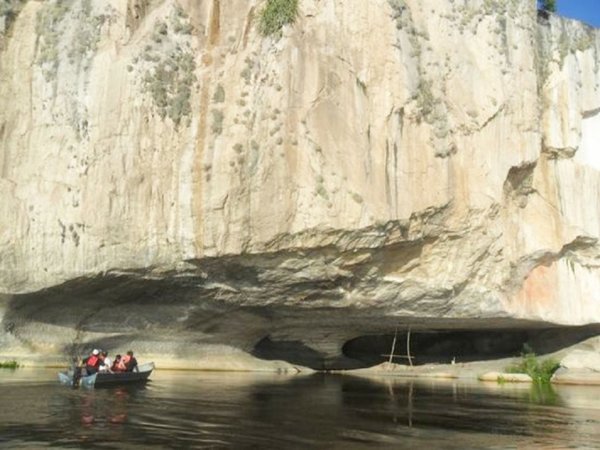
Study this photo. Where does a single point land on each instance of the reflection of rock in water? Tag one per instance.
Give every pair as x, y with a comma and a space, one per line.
189, 410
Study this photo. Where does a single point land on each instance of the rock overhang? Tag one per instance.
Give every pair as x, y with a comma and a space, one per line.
332, 183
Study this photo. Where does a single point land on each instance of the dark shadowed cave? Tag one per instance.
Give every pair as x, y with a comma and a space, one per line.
444, 346
188, 316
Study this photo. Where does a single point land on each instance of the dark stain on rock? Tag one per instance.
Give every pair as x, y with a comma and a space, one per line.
215, 23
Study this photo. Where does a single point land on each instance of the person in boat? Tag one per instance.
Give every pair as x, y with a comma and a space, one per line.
130, 362
105, 362
118, 365
77, 369
92, 362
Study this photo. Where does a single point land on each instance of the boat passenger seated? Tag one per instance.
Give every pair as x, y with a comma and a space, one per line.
105, 362
130, 362
118, 365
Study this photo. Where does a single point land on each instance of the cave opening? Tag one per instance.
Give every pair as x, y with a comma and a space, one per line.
446, 346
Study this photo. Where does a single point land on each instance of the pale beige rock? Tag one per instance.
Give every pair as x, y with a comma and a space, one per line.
501, 377
576, 376
581, 359
399, 370
414, 162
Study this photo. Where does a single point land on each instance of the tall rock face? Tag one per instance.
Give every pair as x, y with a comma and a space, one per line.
172, 180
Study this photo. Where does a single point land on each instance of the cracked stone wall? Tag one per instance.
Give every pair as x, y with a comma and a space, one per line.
172, 180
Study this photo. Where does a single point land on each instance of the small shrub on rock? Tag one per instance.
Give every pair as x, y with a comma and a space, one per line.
276, 14
9, 364
539, 371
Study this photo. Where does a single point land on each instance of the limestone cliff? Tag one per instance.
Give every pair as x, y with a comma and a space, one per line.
172, 180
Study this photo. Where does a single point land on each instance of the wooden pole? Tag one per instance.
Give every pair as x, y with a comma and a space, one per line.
393, 346
408, 347
410, 404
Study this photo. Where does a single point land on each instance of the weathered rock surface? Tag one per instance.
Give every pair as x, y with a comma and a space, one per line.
501, 377
173, 181
580, 366
581, 359
576, 376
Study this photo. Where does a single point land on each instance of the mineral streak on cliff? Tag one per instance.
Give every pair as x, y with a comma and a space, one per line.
174, 181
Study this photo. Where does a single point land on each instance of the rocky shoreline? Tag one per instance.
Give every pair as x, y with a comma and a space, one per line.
579, 365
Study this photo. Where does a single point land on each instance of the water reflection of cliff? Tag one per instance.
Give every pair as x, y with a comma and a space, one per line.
554, 415
183, 410
71, 418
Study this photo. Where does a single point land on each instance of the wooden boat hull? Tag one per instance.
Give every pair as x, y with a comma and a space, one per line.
102, 379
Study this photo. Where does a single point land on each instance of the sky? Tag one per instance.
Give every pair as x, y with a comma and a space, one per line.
585, 10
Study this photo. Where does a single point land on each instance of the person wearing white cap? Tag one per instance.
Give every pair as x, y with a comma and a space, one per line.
92, 362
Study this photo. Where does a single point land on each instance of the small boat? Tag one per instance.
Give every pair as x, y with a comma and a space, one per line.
101, 379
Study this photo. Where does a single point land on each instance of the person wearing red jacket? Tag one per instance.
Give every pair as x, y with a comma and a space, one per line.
92, 362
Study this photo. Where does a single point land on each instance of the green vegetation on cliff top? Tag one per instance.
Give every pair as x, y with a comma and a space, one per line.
547, 5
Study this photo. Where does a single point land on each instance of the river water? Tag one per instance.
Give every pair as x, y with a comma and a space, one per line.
229, 410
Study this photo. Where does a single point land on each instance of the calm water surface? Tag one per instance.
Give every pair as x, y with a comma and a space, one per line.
214, 410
